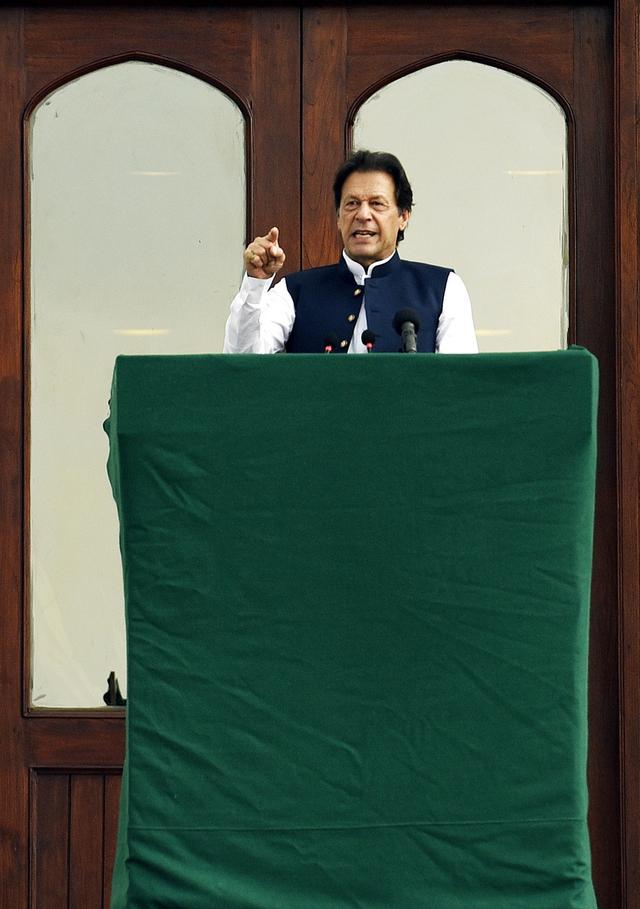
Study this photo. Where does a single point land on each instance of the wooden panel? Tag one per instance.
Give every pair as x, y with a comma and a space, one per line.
627, 44
275, 178
532, 37
73, 838
14, 818
50, 841
594, 328
86, 841
59, 41
324, 113
75, 741
112, 783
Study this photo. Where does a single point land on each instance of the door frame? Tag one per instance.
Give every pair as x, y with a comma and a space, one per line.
97, 741
627, 210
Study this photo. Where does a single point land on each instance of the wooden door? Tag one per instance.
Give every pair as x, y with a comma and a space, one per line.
568, 51
299, 73
61, 769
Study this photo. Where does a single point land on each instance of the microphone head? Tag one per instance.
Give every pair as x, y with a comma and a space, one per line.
330, 342
406, 315
368, 337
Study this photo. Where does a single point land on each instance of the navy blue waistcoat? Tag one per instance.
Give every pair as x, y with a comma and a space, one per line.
327, 301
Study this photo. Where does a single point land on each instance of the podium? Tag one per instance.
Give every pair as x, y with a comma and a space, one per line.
357, 599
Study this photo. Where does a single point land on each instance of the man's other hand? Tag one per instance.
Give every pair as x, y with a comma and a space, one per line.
264, 257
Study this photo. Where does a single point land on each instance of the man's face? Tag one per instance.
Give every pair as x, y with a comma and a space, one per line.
368, 217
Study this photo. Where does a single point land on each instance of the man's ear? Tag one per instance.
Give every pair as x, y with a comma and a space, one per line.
406, 216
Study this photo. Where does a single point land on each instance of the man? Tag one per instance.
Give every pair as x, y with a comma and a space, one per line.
365, 289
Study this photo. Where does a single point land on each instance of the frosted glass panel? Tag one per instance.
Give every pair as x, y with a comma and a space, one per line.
137, 228
485, 152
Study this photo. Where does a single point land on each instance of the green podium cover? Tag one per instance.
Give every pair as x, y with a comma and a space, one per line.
357, 620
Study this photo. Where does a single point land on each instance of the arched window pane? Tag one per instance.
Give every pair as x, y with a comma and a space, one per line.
486, 154
137, 188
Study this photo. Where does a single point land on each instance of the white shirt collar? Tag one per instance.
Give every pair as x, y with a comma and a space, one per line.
358, 271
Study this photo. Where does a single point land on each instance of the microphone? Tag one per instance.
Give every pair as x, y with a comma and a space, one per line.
407, 323
330, 343
368, 338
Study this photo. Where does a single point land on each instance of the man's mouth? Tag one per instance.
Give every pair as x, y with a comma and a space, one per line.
363, 233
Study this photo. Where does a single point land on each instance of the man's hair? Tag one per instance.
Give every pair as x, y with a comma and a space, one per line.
367, 161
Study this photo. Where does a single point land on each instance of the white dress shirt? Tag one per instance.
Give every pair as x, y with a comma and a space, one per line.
262, 317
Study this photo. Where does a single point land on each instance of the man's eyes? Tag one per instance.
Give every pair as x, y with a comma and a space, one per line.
353, 204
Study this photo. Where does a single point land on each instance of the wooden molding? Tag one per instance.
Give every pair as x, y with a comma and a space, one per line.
627, 144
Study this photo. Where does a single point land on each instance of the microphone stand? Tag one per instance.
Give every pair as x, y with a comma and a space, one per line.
407, 323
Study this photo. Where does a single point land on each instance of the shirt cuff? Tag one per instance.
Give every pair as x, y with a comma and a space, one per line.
249, 283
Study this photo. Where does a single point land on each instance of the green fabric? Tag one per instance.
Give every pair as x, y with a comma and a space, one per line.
357, 619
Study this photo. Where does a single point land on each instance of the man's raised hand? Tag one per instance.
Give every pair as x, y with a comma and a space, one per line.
264, 257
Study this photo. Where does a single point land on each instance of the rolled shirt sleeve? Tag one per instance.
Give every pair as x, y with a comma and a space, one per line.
261, 317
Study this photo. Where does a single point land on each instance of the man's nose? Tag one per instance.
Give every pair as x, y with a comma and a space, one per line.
364, 212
